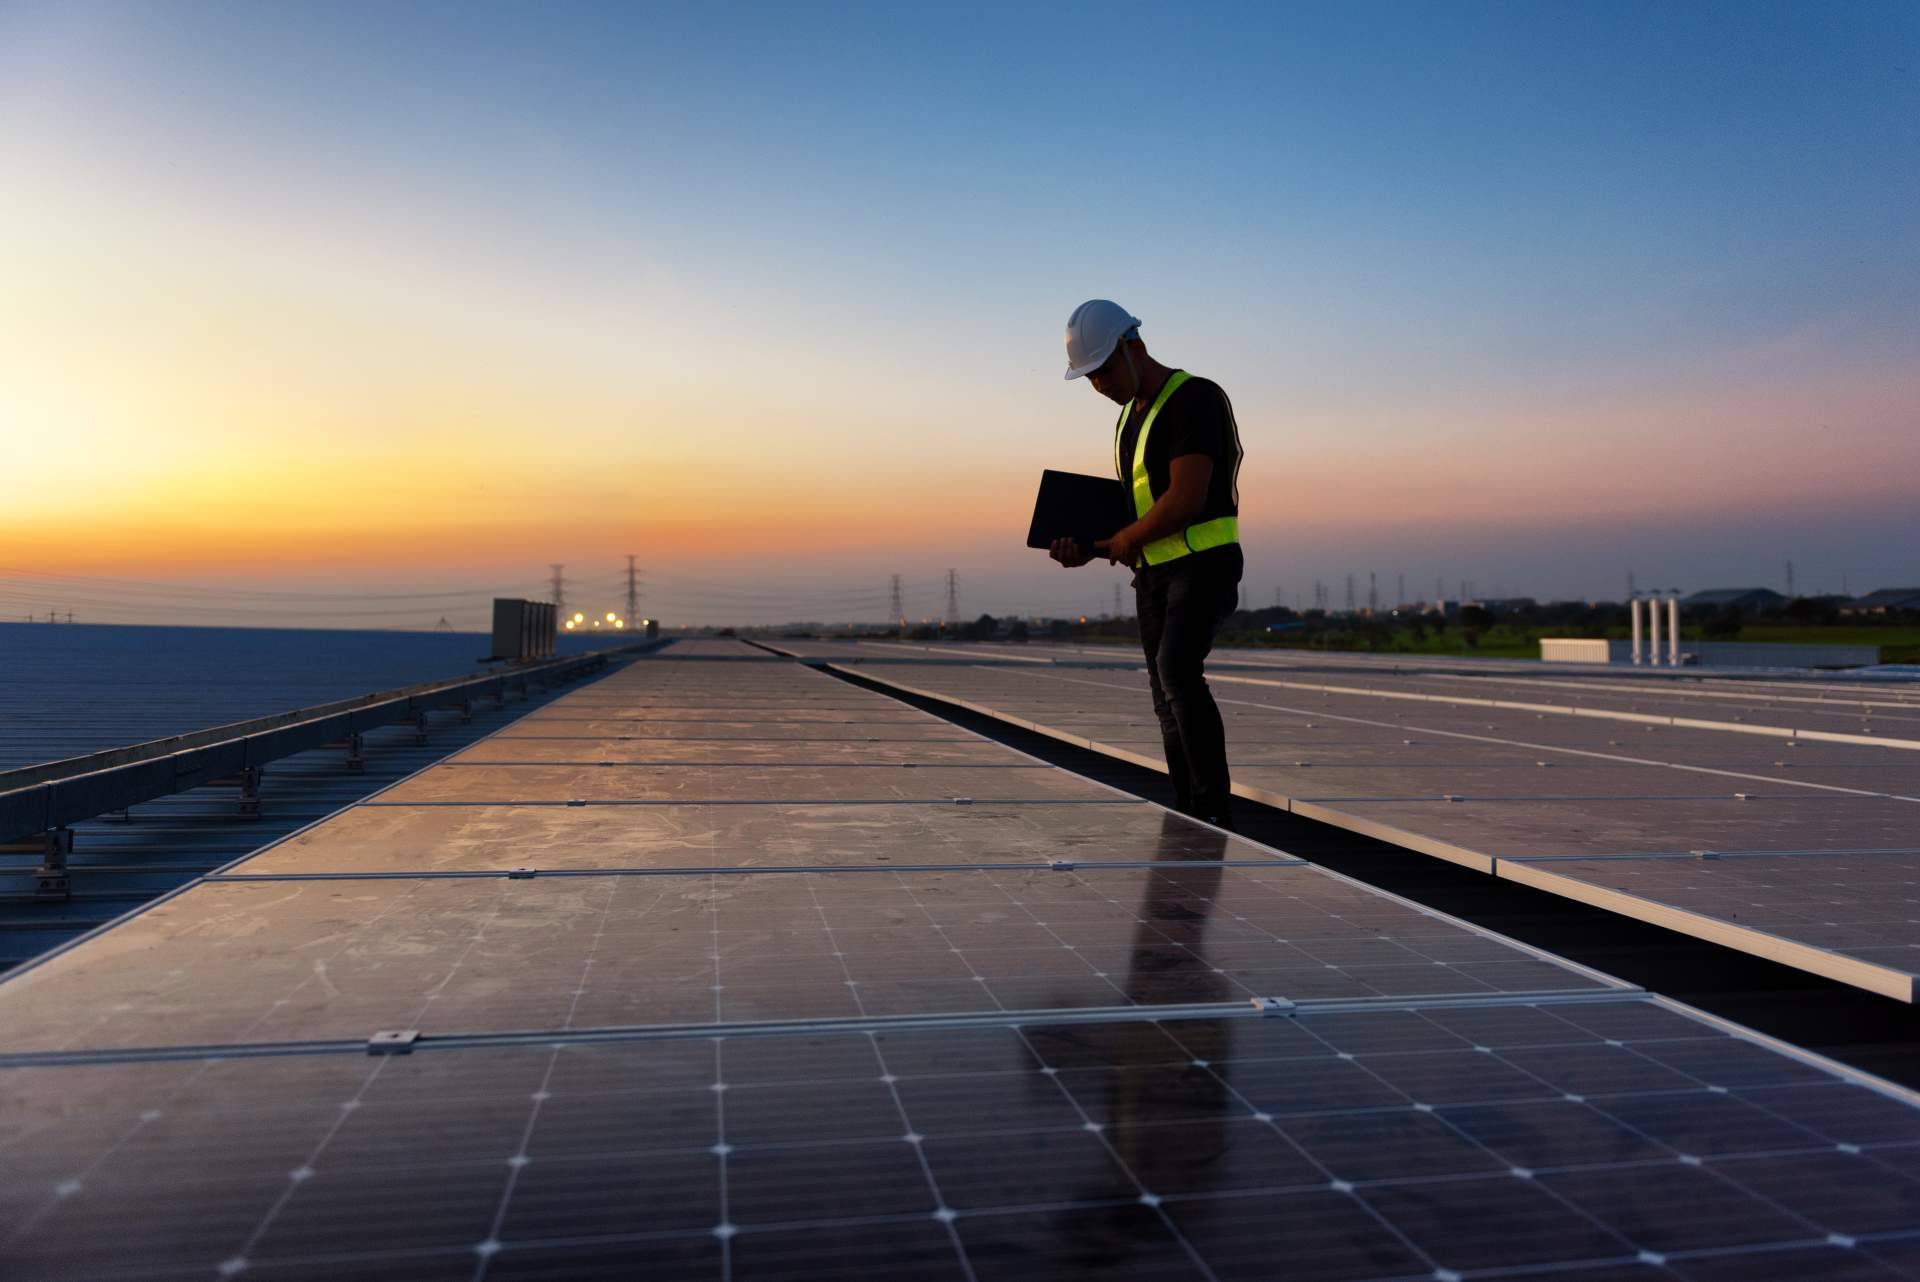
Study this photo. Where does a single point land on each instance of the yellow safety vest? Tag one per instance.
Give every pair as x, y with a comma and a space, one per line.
1216, 533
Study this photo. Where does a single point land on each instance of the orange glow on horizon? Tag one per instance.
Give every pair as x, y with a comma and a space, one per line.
196, 402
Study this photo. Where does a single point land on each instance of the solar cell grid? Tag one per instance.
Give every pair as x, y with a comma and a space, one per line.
348, 958
478, 838
1868, 906
754, 784
733, 730
1529, 828
861, 751
1003, 1151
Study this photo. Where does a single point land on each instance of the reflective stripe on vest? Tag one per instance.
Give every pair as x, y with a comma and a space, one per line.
1216, 533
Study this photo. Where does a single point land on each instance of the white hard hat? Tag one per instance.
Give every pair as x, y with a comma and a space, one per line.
1093, 331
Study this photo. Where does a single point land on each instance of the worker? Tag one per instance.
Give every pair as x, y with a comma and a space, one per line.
1177, 451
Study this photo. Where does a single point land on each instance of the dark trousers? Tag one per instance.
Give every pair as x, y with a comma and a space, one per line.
1181, 605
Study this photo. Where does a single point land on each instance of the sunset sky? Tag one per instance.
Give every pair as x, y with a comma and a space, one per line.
312, 307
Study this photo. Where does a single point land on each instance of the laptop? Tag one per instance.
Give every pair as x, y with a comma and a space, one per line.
1082, 508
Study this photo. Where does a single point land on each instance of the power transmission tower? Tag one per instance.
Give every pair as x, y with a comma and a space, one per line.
953, 599
1350, 601
559, 584
898, 617
1278, 601
1373, 594
1116, 600
633, 592
1439, 590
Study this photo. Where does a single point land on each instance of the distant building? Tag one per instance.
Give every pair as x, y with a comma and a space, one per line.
1885, 601
1745, 600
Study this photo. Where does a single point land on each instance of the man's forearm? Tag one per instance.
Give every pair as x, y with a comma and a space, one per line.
1170, 514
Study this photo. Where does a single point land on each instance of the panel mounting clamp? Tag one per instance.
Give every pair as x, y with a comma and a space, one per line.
393, 1041
1060, 865
1270, 1007
522, 874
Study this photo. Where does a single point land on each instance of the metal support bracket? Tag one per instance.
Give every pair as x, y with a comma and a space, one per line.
1273, 1007
393, 1041
1060, 865
466, 712
420, 727
356, 759
247, 780
50, 879
522, 874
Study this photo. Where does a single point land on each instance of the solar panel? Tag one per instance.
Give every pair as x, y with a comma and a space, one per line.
497, 838
995, 1040
1185, 1148
1439, 766
496, 785
347, 958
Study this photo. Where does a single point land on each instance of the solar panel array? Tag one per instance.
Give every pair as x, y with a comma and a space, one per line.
720, 968
1780, 820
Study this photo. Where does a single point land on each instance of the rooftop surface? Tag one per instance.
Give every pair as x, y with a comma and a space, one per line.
723, 968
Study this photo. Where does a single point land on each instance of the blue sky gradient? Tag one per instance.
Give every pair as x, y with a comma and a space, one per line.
1514, 291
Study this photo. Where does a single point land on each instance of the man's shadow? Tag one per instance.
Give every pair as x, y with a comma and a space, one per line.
1162, 1109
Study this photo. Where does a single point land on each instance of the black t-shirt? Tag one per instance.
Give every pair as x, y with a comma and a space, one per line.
1197, 419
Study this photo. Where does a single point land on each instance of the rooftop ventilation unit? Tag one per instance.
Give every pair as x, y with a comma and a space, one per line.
522, 630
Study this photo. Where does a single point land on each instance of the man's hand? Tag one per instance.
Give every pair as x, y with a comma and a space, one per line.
1172, 512
1123, 548
1067, 552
